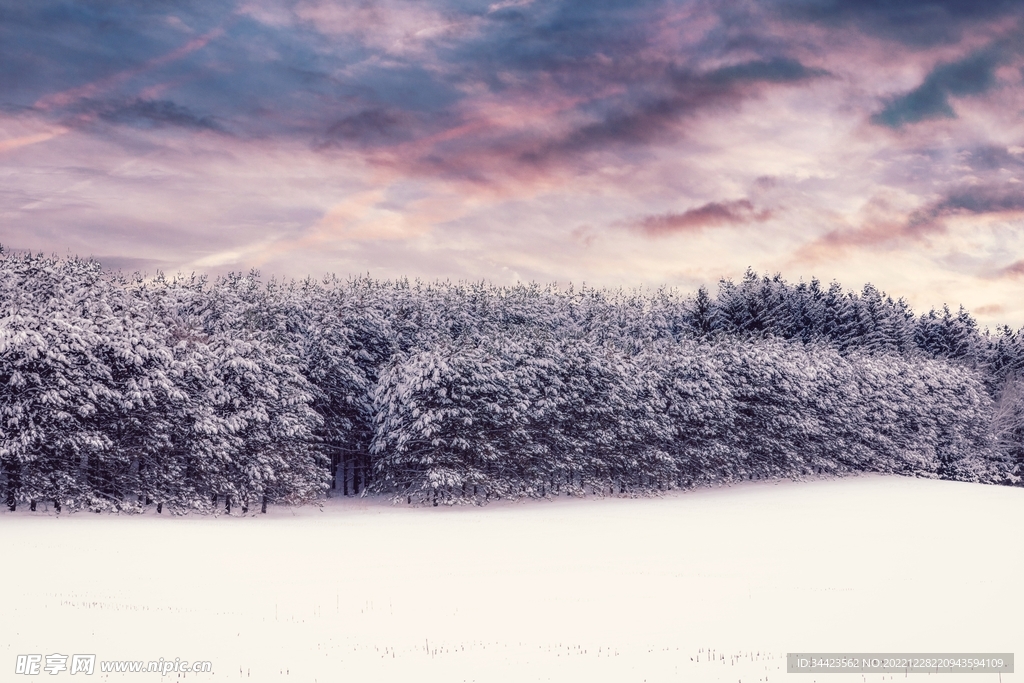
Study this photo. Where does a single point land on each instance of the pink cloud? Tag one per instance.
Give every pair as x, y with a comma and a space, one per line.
890, 229
1013, 271
712, 214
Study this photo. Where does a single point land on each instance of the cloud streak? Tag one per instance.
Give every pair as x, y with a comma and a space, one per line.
689, 93
710, 215
25, 140
972, 76
922, 224
108, 83
919, 23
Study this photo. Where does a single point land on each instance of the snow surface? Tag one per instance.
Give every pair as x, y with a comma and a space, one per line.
610, 589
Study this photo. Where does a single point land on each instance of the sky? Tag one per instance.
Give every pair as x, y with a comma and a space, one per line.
617, 143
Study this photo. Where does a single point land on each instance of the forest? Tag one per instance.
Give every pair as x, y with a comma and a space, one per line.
131, 393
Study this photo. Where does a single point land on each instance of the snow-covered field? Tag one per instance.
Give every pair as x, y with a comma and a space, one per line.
710, 585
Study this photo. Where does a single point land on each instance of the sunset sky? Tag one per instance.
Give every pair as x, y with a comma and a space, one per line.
614, 143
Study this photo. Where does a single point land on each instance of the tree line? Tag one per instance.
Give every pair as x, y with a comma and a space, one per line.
195, 394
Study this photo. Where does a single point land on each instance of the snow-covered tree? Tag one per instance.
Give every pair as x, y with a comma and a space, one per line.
194, 394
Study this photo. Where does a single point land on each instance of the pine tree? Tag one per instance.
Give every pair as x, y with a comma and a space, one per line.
701, 315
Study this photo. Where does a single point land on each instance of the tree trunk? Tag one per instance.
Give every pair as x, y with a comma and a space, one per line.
56, 506
159, 508
263, 508
32, 506
13, 472
227, 504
